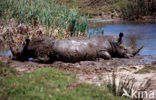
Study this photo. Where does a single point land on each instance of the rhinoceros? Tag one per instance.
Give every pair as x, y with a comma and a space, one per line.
74, 49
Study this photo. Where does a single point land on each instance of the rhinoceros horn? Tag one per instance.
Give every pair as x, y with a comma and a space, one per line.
137, 51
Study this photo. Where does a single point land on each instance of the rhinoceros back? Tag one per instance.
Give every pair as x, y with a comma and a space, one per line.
74, 50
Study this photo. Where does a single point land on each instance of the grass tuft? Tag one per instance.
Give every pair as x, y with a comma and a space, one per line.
5, 70
145, 70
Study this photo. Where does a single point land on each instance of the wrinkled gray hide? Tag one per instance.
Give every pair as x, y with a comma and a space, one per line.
74, 49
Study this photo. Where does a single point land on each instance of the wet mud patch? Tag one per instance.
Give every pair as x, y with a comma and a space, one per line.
82, 66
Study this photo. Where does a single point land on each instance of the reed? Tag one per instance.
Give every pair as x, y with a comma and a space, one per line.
135, 9
46, 12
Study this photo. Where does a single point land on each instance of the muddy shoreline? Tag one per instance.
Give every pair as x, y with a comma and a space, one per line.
120, 20
83, 66
99, 72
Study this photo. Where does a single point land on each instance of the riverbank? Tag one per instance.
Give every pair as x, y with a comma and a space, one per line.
120, 20
98, 73
48, 83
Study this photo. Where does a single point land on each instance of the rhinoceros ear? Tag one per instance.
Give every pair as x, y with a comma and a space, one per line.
120, 38
27, 42
26, 46
12, 50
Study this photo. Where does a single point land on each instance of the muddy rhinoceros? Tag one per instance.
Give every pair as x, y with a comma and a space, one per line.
74, 49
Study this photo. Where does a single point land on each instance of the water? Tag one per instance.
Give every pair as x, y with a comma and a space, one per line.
4, 50
5, 53
136, 34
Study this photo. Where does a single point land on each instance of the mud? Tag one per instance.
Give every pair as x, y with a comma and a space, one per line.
86, 67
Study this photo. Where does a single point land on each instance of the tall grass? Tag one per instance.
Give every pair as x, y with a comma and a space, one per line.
45, 12
134, 9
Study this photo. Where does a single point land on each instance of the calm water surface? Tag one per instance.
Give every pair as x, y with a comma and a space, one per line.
136, 34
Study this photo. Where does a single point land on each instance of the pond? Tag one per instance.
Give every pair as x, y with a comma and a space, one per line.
135, 33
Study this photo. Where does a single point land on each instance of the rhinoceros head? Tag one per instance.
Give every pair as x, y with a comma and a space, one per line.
18, 52
122, 51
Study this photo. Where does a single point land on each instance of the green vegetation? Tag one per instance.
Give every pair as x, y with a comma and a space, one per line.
126, 9
48, 84
150, 67
96, 7
135, 9
142, 71
5, 70
145, 70
100, 77
52, 13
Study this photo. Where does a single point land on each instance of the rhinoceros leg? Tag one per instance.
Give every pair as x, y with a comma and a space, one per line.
41, 56
44, 59
104, 54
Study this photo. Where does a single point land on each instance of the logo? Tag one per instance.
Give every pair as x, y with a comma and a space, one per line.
138, 94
